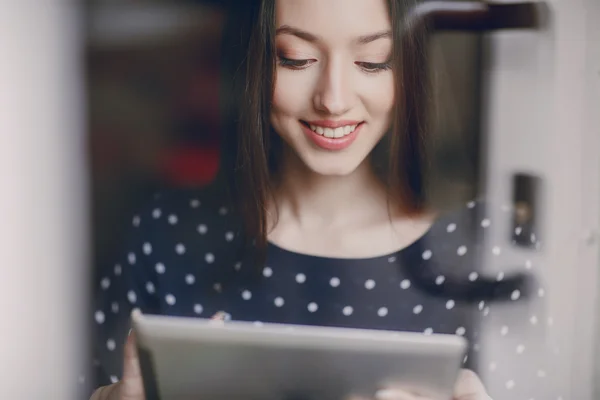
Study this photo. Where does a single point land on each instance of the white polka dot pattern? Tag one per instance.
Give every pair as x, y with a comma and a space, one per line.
150, 288
370, 284
160, 268
131, 296
170, 299
190, 279
99, 316
199, 245
105, 283
194, 203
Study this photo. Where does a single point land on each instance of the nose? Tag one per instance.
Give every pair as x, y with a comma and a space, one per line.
333, 91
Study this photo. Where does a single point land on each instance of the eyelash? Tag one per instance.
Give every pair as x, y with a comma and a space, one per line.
293, 64
367, 67
373, 68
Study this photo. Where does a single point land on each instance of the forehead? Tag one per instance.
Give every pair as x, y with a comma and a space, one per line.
334, 19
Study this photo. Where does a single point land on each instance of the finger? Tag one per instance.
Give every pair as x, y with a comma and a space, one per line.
219, 316
469, 387
396, 394
131, 386
131, 363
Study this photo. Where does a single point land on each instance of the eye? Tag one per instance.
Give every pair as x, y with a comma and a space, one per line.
374, 67
294, 64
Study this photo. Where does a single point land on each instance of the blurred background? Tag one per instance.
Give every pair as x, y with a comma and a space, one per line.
152, 72
128, 92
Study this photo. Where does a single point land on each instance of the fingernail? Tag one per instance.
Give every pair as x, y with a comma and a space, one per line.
220, 316
129, 333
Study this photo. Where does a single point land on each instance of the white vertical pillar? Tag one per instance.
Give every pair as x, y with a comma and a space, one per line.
43, 205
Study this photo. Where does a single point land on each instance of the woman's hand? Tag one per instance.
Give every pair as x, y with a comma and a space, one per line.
468, 387
131, 387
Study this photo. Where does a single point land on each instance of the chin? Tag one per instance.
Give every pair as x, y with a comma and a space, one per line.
334, 165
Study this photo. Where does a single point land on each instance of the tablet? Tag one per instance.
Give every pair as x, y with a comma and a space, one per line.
191, 358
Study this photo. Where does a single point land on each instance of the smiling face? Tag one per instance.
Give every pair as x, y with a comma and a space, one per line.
334, 84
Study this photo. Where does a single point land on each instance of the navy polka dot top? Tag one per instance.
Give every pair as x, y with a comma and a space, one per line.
185, 257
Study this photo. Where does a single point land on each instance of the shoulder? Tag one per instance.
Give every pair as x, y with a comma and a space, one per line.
482, 218
169, 208
186, 225
479, 244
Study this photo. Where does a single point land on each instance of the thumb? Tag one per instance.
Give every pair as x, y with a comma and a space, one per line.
469, 387
131, 386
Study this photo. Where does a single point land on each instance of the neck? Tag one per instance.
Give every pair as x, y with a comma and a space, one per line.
312, 200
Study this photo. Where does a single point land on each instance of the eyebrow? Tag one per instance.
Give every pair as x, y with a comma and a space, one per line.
309, 37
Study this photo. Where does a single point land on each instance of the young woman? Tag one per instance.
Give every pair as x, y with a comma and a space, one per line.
324, 219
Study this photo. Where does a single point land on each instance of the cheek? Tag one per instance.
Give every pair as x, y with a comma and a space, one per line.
291, 93
380, 97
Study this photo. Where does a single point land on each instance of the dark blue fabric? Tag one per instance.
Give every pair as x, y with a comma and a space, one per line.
185, 258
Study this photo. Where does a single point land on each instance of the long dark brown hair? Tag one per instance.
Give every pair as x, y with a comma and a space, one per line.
251, 152
250, 148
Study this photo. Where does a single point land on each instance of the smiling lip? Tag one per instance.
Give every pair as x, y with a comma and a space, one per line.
332, 143
327, 123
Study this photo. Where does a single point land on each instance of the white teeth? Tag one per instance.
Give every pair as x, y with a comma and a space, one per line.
334, 133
